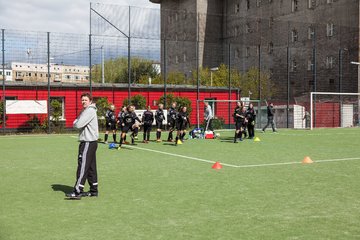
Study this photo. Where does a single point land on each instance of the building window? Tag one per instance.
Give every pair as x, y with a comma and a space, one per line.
329, 62
311, 33
237, 53
247, 28
311, 4
294, 35
247, 4
329, 29
237, 8
270, 48
236, 31
247, 52
8, 73
331, 81
271, 22
294, 5
310, 65
293, 66
258, 3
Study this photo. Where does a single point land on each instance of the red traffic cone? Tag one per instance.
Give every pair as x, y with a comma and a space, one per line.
217, 165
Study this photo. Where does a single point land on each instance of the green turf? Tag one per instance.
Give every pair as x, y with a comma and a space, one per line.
148, 195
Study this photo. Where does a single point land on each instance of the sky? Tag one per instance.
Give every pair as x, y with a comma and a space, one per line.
68, 16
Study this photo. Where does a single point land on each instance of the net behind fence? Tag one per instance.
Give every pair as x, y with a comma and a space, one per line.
332, 110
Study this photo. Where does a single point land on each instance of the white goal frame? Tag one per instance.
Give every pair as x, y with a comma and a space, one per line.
325, 93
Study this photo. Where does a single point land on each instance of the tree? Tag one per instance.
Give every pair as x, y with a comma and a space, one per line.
181, 101
2, 110
139, 101
102, 105
116, 70
249, 84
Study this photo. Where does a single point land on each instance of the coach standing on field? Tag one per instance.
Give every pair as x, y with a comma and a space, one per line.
270, 117
87, 123
208, 116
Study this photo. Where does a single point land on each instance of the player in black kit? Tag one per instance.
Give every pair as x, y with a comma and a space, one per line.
120, 120
240, 118
147, 120
182, 121
171, 119
251, 117
110, 120
129, 123
159, 118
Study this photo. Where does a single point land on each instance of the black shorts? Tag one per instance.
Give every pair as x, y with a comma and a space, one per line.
239, 125
110, 126
126, 128
159, 124
181, 126
171, 123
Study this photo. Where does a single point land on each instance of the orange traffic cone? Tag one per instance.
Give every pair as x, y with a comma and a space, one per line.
217, 165
307, 160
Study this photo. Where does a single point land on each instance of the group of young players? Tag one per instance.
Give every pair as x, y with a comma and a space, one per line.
244, 119
127, 120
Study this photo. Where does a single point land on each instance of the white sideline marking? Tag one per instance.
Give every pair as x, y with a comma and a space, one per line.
181, 156
243, 166
290, 163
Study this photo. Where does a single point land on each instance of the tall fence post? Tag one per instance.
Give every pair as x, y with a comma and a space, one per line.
48, 78
90, 64
165, 74
129, 58
229, 79
288, 85
259, 79
3, 75
197, 70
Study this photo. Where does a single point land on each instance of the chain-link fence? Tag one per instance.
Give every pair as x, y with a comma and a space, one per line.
242, 50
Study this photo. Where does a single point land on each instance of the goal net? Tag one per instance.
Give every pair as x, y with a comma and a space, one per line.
333, 110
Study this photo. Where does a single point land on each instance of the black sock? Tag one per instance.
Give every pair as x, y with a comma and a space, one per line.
170, 137
121, 141
148, 136
159, 134
114, 137
236, 136
106, 137
144, 137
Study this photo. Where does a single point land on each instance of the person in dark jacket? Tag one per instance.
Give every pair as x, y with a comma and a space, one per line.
182, 121
159, 118
87, 124
110, 120
251, 117
147, 120
270, 117
129, 123
171, 120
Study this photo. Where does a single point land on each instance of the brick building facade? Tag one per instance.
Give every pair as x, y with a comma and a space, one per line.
304, 45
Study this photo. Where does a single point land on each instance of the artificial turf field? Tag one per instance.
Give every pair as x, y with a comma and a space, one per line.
262, 192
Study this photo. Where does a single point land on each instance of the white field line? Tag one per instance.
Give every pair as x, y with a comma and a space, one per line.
290, 163
181, 156
243, 166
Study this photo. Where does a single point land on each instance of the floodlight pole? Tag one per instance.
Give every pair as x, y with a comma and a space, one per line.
3, 75
48, 70
128, 36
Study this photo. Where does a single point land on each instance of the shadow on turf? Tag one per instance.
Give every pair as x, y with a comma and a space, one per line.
62, 188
